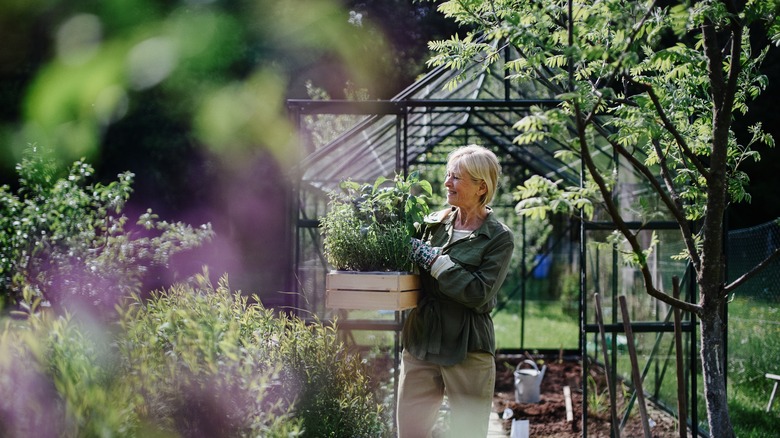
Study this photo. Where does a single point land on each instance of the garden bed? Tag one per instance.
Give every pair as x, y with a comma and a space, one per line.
548, 417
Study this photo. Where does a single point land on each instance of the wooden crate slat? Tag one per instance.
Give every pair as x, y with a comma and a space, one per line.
372, 281
370, 300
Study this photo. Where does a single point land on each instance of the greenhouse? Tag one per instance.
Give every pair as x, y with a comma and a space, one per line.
544, 307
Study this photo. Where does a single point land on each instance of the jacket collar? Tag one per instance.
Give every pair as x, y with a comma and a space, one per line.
447, 216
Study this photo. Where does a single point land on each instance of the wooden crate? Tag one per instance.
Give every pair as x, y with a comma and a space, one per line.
371, 290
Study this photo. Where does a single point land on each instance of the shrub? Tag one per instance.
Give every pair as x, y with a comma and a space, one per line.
245, 369
68, 240
368, 226
193, 360
58, 378
206, 362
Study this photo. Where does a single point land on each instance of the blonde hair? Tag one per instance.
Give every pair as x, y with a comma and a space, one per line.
481, 164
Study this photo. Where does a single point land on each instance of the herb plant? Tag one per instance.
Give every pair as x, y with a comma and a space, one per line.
368, 226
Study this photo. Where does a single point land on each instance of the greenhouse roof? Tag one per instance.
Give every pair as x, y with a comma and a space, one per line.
473, 105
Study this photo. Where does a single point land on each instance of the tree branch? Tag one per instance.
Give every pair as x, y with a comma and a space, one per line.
679, 212
669, 199
751, 273
613, 212
681, 143
735, 61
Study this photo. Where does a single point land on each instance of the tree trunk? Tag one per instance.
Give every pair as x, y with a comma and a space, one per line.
713, 361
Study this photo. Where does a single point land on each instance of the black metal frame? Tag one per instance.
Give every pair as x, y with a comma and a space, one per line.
688, 326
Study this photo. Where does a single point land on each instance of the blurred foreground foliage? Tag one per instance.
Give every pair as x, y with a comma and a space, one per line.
66, 241
192, 360
86, 77
190, 96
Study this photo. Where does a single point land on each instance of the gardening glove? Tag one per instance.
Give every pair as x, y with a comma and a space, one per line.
424, 254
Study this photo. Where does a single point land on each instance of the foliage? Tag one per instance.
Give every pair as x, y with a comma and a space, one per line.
68, 239
58, 378
539, 196
106, 69
213, 346
368, 226
625, 76
194, 360
599, 399
659, 85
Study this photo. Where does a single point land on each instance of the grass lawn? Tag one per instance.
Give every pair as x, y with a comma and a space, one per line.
546, 327
754, 350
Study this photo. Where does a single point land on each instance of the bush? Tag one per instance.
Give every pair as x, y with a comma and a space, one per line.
193, 360
207, 362
68, 240
246, 368
58, 378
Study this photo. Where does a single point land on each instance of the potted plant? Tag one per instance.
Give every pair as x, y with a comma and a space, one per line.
366, 235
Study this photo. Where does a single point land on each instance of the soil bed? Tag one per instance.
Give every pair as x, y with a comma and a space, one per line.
548, 417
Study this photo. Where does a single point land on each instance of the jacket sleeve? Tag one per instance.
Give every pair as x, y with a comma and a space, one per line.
477, 274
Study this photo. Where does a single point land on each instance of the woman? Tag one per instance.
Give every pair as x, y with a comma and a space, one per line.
449, 343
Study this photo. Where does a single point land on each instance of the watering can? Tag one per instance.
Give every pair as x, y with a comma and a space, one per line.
528, 381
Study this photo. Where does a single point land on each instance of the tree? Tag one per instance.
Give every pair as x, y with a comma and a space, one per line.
660, 83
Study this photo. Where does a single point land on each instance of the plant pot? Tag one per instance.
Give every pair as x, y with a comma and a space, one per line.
371, 290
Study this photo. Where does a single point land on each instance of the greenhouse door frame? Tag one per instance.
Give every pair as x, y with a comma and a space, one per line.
688, 327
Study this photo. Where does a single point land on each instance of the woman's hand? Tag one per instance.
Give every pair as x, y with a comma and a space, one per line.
424, 254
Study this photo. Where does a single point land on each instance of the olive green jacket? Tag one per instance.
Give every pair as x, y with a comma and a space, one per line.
452, 316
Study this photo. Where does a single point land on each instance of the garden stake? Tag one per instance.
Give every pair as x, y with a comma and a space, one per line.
634, 366
567, 399
646, 369
682, 414
610, 387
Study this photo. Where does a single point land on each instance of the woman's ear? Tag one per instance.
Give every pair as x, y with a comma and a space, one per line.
482, 187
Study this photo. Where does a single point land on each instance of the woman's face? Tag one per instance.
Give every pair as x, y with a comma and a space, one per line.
462, 190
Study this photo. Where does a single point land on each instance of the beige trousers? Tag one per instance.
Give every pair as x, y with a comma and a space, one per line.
469, 387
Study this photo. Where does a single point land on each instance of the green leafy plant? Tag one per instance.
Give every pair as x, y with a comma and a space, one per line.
67, 238
368, 226
210, 359
60, 377
598, 399
192, 360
